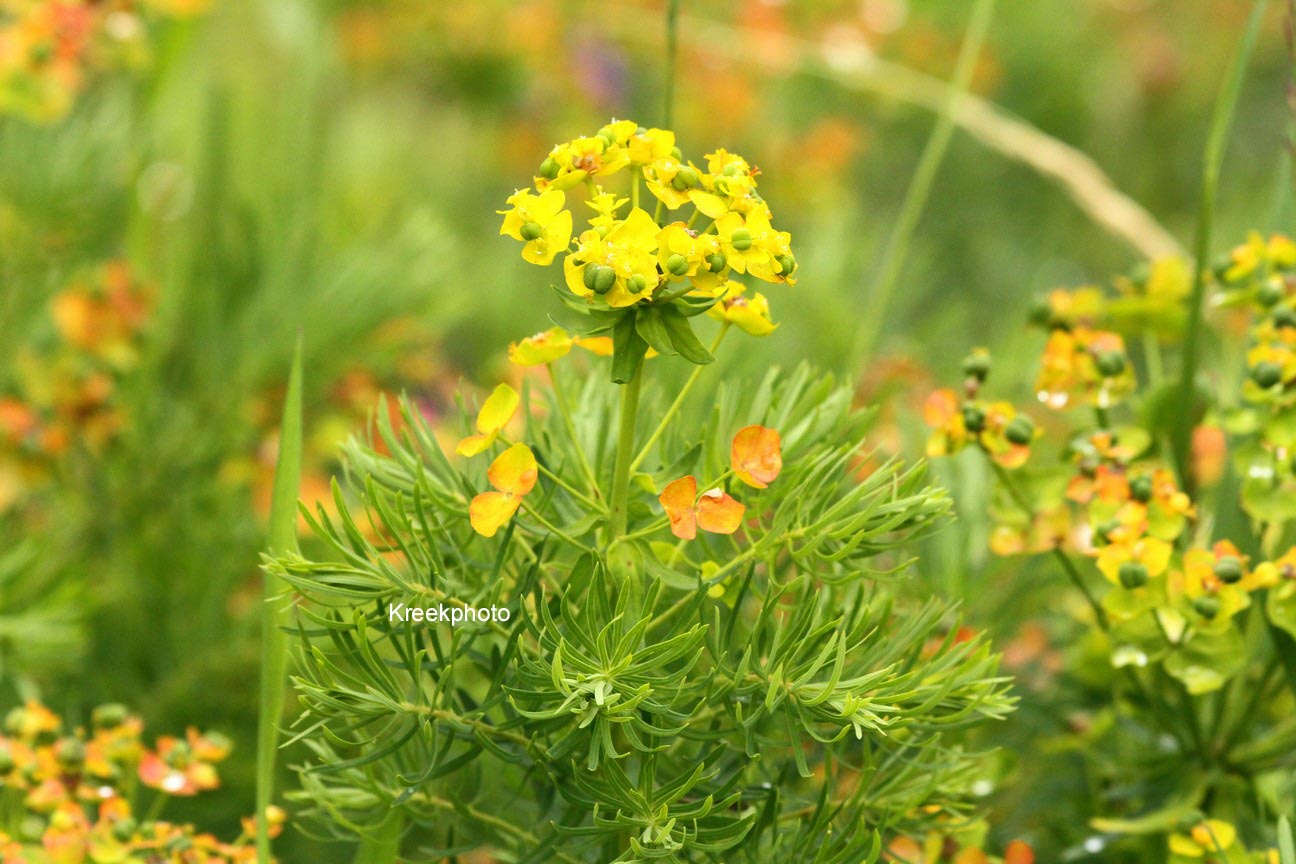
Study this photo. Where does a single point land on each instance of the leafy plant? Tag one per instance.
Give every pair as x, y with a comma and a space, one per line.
600, 657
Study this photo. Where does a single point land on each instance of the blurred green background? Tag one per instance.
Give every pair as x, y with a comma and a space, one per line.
254, 168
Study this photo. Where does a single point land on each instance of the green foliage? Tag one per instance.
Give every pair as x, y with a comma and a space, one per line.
727, 689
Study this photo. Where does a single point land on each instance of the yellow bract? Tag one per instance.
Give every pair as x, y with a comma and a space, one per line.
541, 348
751, 315
513, 474
495, 413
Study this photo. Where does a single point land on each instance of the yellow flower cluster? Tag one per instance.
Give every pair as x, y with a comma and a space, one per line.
76, 792
628, 255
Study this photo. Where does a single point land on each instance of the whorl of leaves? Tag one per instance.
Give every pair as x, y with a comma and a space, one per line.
794, 718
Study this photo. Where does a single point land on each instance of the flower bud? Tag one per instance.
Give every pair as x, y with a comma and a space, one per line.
1141, 488
1228, 570
786, 264
1021, 430
1111, 363
973, 418
977, 365
1284, 316
549, 168
1270, 292
677, 264
686, 178
741, 239
599, 278
1207, 606
531, 231
109, 716
716, 262
1266, 374
124, 829
70, 751
1133, 575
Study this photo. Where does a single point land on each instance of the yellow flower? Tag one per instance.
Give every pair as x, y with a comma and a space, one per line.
1212, 584
513, 474
680, 251
621, 265
748, 315
495, 413
541, 348
751, 245
1211, 835
540, 222
569, 164
728, 186
1130, 564
1256, 253
941, 412
651, 145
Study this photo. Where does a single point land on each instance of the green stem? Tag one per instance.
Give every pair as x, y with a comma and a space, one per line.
553, 529
677, 404
672, 54
625, 446
920, 186
1221, 124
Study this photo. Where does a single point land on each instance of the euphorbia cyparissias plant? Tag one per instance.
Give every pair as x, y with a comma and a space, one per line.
702, 645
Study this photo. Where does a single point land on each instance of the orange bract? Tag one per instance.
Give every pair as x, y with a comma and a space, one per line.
715, 511
757, 455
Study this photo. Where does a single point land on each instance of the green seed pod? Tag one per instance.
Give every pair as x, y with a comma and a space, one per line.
687, 178
1141, 488
607, 136
531, 231
977, 365
973, 418
677, 264
1133, 575
549, 168
1228, 570
1111, 363
677, 154
741, 239
716, 262
1021, 430
604, 279
1266, 374
124, 829
787, 264
637, 283
1284, 316
1207, 606
1270, 292
6, 760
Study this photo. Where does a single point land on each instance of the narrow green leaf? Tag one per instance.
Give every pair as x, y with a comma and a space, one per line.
1286, 845
281, 538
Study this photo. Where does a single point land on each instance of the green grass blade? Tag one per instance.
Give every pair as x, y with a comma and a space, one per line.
281, 537
920, 186
1221, 126
1286, 845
